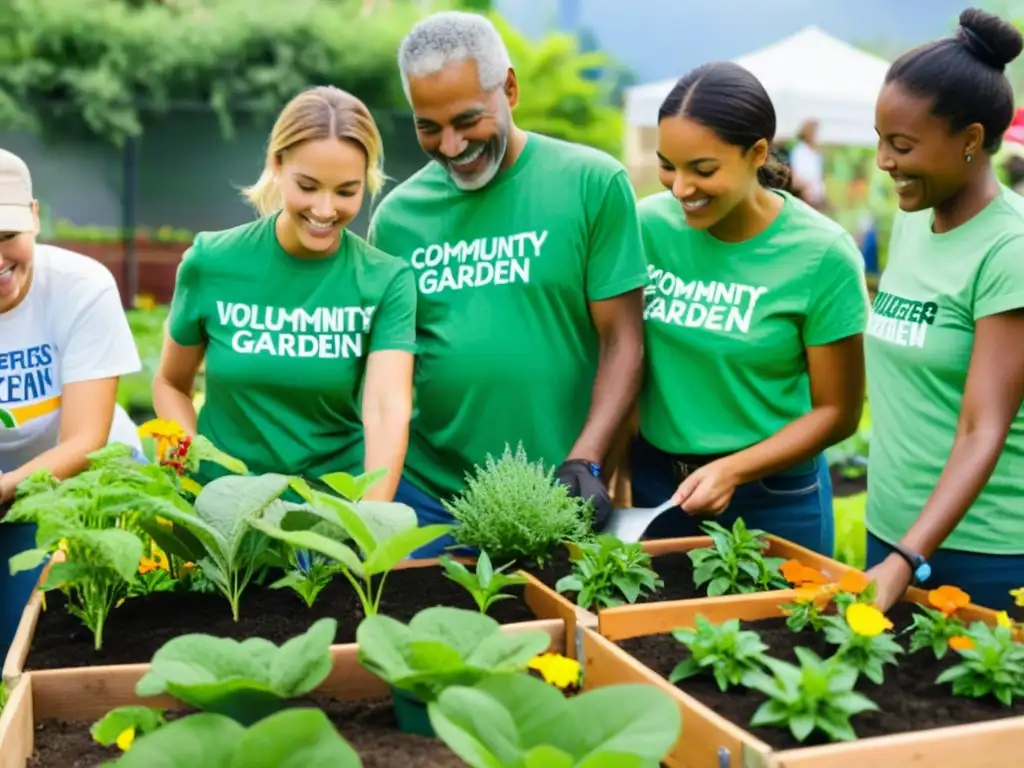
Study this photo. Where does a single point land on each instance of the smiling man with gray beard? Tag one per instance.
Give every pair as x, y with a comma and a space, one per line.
530, 271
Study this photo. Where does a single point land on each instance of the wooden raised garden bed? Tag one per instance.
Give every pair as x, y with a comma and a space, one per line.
918, 721
48, 714
54, 639
673, 565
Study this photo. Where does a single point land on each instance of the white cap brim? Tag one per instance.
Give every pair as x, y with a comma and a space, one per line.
17, 218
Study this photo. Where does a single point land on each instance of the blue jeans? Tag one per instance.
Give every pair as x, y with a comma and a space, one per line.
988, 579
16, 590
791, 505
428, 512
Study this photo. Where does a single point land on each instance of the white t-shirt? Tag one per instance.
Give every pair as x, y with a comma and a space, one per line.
809, 167
69, 328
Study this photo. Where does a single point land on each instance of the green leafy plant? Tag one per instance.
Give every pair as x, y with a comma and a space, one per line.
218, 535
308, 575
992, 663
96, 520
725, 650
441, 647
607, 572
245, 680
486, 583
863, 645
293, 738
933, 629
735, 563
515, 510
817, 695
521, 722
122, 725
385, 533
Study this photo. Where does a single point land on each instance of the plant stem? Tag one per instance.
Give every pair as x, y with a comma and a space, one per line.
368, 607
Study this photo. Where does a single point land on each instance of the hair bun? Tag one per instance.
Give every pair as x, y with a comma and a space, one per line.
991, 40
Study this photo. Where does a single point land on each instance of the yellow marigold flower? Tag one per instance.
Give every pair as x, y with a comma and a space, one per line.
866, 620
125, 739
557, 670
1003, 620
1018, 596
167, 435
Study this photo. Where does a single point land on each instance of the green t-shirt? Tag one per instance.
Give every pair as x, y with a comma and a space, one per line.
507, 349
726, 324
286, 343
919, 343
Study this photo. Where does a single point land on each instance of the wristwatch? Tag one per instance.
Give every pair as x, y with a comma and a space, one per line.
919, 567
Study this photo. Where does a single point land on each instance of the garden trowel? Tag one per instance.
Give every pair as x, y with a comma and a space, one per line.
628, 525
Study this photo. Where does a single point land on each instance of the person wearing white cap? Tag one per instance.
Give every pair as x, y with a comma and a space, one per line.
64, 343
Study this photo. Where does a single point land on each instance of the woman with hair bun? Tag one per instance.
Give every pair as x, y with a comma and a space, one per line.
944, 352
308, 332
754, 316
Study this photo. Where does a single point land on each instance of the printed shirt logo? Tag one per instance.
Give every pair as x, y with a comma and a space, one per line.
29, 385
901, 321
713, 305
475, 263
326, 332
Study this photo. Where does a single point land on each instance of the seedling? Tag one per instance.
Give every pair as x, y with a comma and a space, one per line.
992, 663
735, 563
863, 641
609, 572
486, 584
725, 650
934, 627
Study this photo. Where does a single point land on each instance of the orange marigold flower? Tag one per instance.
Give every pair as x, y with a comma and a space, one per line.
853, 582
949, 599
961, 643
800, 575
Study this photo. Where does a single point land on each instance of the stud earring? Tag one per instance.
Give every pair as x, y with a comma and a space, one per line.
967, 158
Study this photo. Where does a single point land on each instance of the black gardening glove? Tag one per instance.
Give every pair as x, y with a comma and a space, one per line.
583, 479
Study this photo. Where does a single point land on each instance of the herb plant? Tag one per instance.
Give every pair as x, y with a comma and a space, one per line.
385, 533
725, 650
307, 575
486, 584
245, 680
293, 738
441, 647
218, 535
863, 641
515, 510
608, 572
521, 722
735, 562
933, 627
992, 663
817, 695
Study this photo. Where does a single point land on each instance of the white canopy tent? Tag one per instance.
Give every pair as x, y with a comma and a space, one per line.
808, 74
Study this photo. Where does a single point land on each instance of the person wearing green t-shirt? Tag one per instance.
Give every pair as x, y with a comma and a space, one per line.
307, 331
529, 270
754, 318
945, 354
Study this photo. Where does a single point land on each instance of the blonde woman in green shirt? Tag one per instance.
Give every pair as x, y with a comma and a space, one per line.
944, 349
307, 331
753, 319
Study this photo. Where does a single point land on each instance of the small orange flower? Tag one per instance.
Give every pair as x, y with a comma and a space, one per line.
949, 599
961, 643
800, 575
853, 583
820, 596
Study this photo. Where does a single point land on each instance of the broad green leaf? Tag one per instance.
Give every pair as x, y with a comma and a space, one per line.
27, 560
208, 536
353, 488
484, 571
204, 739
294, 738
506, 652
533, 708
202, 449
617, 760
386, 518
382, 643
350, 521
143, 719
462, 630
115, 548
550, 757
229, 503
476, 728
303, 662
392, 551
176, 540
65, 573
314, 541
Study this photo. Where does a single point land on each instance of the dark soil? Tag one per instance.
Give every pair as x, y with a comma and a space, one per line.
847, 486
141, 625
908, 699
675, 569
369, 726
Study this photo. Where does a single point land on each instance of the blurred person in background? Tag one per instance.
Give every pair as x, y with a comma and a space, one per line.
64, 344
307, 331
808, 166
530, 268
944, 353
754, 318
